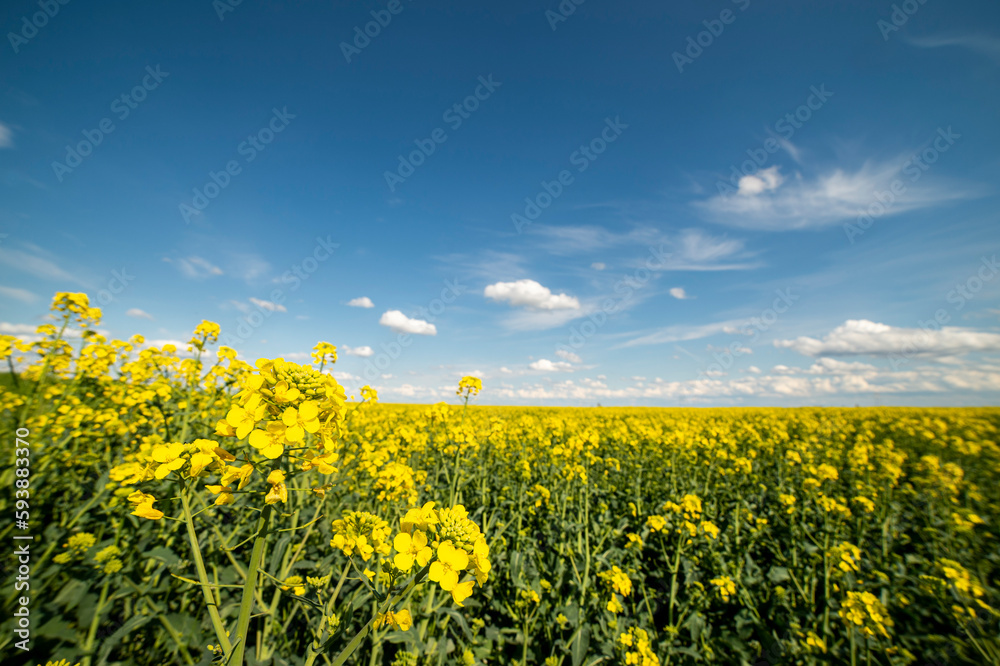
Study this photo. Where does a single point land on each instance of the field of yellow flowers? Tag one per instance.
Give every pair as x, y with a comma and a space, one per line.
187, 507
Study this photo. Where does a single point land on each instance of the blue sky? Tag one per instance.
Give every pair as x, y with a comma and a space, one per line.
724, 203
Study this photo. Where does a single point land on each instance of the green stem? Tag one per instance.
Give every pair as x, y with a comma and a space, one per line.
88, 647
389, 603
246, 604
199, 563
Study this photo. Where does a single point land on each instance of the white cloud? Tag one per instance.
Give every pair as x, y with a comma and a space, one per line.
180, 345
6, 136
679, 293
138, 314
857, 337
22, 295
833, 366
17, 329
363, 351
765, 180
833, 384
400, 323
362, 302
545, 365
773, 204
567, 355
270, 306
530, 294
598, 265
196, 267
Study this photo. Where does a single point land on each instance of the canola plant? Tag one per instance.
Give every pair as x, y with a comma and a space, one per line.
187, 507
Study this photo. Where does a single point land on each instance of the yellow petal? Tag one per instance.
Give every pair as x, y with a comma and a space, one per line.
462, 591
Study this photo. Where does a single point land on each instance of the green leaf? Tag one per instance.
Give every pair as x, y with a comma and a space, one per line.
114, 639
165, 555
70, 595
581, 645
56, 628
695, 624
778, 574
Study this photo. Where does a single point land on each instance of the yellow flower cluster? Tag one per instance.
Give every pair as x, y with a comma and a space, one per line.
725, 586
76, 547
362, 533
619, 583
863, 610
282, 402
324, 353
637, 647
445, 541
845, 557
965, 588
469, 386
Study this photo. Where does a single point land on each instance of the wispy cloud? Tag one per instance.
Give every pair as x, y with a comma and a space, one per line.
777, 203
195, 268
986, 45
687, 250
542, 320
567, 355
6, 136
138, 314
268, 305
679, 333
247, 266
36, 263
22, 295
